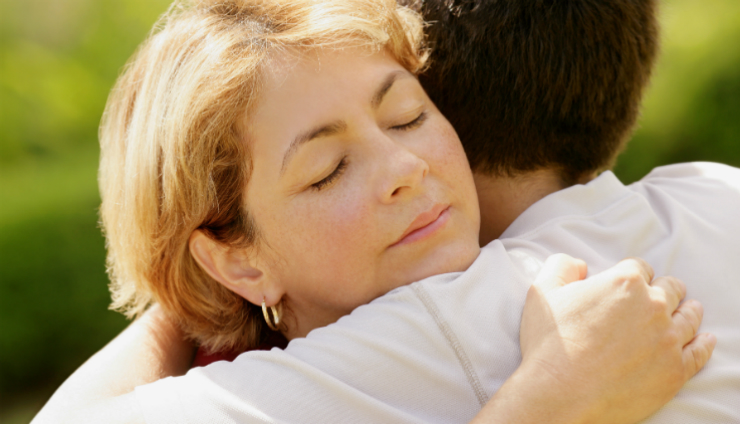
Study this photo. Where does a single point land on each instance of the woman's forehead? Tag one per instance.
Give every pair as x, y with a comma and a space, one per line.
312, 85
319, 96
312, 63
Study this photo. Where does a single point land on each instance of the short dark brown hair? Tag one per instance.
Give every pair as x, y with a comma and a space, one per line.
530, 84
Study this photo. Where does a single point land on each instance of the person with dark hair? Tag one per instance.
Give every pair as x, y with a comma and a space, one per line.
544, 94
541, 86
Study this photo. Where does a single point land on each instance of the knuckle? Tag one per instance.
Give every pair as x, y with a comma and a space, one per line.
667, 282
659, 305
694, 318
697, 360
676, 285
641, 266
692, 314
633, 279
560, 257
681, 318
697, 308
636, 261
670, 339
679, 284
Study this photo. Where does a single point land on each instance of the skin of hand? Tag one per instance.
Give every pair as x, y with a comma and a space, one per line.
612, 348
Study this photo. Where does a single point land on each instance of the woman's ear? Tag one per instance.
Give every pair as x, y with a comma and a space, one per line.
232, 268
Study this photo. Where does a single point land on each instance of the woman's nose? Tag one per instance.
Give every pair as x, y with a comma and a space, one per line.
404, 173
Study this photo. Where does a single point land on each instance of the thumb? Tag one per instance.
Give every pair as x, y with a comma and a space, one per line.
559, 270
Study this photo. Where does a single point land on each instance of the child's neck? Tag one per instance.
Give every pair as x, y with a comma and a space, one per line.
503, 199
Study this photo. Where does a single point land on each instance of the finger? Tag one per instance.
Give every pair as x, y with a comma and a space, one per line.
638, 265
673, 289
634, 272
697, 353
559, 270
687, 319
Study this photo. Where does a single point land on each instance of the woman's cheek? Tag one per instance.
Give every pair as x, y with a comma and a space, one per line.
351, 220
444, 150
337, 228
451, 166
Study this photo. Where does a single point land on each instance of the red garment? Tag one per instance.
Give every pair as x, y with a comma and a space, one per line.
203, 358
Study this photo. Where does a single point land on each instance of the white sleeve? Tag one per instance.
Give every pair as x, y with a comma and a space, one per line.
386, 362
678, 174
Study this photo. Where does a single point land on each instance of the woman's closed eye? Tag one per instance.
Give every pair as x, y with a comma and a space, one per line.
329, 179
415, 123
342, 165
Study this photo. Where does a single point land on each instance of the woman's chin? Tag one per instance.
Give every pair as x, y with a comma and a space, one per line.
451, 257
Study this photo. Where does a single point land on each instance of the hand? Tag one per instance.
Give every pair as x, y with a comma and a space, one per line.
614, 347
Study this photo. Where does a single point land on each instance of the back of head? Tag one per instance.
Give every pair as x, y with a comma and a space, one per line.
530, 84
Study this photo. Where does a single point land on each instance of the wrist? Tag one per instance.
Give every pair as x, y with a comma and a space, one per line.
166, 344
535, 394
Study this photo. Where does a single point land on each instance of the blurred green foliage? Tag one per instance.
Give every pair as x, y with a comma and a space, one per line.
692, 109
60, 58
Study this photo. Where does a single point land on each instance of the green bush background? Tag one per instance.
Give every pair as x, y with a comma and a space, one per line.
60, 58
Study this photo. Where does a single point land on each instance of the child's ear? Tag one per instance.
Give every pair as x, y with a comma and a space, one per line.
233, 268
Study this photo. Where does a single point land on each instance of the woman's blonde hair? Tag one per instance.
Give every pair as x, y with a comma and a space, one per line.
173, 159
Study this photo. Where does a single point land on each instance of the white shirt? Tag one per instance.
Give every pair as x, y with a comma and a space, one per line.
437, 350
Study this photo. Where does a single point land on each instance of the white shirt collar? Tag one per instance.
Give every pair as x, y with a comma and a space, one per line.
580, 199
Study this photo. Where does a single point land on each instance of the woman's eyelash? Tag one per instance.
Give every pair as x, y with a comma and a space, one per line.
413, 124
338, 171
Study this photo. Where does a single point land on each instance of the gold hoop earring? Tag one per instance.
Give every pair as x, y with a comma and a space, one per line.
275, 315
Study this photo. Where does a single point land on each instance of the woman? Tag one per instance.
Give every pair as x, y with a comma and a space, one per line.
265, 156
176, 173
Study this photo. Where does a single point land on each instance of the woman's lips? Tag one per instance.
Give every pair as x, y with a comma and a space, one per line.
425, 225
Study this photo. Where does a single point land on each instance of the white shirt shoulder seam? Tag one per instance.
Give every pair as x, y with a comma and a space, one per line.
454, 343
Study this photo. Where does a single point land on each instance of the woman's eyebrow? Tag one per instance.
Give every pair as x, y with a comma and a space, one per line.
385, 87
336, 127
312, 134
